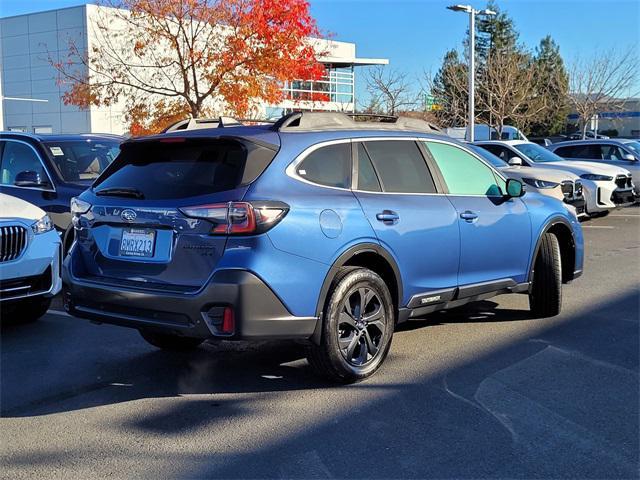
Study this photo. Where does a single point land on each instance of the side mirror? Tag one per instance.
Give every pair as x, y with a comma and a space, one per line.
515, 161
629, 158
514, 188
29, 178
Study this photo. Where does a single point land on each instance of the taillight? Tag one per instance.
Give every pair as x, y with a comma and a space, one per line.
239, 218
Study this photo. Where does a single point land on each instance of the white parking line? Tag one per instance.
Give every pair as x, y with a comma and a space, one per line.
59, 312
597, 226
625, 215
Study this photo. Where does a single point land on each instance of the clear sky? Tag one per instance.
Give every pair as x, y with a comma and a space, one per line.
415, 34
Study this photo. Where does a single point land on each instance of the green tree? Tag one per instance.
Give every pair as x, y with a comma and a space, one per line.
449, 89
552, 78
495, 33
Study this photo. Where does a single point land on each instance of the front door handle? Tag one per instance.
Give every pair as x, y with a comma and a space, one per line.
469, 216
388, 216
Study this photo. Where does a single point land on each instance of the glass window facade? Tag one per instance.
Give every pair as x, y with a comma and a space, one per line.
336, 85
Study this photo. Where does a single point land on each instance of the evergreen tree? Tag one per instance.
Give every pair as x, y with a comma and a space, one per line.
449, 89
494, 33
551, 76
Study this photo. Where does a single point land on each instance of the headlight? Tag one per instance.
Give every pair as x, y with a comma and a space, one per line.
43, 225
534, 182
78, 207
596, 177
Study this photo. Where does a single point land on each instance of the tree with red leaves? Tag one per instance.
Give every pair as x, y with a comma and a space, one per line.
164, 60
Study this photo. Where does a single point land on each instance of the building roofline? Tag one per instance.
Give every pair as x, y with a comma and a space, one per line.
353, 61
82, 4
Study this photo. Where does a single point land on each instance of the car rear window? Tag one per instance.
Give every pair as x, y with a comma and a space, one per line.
161, 170
329, 166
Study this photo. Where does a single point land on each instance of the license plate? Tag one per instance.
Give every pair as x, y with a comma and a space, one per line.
137, 242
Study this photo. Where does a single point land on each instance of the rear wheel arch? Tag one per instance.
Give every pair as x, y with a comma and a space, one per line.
562, 230
366, 255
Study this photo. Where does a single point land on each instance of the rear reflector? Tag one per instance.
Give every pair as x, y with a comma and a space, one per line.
228, 321
220, 320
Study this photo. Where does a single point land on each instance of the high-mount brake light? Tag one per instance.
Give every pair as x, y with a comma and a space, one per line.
173, 140
239, 218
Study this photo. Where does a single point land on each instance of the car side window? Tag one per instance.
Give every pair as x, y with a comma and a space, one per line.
579, 151
329, 166
502, 152
463, 173
18, 157
367, 178
611, 152
400, 166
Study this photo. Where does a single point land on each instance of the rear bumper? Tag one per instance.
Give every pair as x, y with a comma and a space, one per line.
258, 313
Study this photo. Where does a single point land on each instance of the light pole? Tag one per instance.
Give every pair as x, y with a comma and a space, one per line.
472, 61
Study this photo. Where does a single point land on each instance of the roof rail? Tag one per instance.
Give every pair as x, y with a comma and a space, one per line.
200, 123
318, 121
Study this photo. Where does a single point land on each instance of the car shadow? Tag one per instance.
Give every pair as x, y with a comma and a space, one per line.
62, 382
508, 411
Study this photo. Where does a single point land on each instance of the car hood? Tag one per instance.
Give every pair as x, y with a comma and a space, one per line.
12, 207
548, 174
579, 168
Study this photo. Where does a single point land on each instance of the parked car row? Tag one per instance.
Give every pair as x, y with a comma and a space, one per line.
209, 233
605, 185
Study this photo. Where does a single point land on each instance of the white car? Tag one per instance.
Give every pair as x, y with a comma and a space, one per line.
564, 186
30, 259
605, 186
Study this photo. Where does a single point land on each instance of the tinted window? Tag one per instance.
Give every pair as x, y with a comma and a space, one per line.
578, 151
400, 166
367, 178
18, 157
330, 166
82, 160
179, 170
463, 173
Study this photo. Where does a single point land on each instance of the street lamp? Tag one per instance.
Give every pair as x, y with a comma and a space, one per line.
472, 60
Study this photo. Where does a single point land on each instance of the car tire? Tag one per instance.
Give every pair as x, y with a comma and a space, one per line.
545, 297
27, 310
67, 240
166, 341
357, 327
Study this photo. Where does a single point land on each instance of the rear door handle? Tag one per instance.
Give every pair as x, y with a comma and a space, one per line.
388, 216
469, 216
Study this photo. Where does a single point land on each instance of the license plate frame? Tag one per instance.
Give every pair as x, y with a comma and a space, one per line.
136, 249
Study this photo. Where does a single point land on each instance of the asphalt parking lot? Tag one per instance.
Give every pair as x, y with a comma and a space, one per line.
483, 391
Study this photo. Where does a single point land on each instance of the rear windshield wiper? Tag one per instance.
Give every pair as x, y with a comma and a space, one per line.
120, 192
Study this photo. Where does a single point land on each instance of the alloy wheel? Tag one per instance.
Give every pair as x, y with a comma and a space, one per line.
361, 326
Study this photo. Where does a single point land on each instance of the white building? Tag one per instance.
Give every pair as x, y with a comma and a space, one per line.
28, 42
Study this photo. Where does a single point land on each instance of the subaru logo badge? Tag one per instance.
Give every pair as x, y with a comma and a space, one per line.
128, 215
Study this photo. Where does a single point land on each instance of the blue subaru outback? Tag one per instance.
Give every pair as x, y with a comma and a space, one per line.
317, 228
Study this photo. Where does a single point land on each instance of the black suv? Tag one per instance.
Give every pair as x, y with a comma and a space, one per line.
48, 170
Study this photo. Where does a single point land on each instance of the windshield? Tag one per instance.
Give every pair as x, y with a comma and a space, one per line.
82, 160
634, 147
489, 157
537, 153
